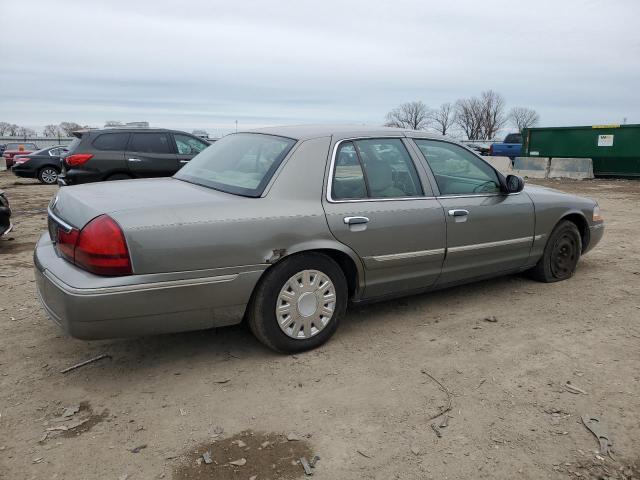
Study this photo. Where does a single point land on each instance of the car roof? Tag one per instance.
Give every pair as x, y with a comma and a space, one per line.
138, 129
305, 132
96, 131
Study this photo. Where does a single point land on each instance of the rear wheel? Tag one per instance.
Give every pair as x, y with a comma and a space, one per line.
561, 254
298, 304
48, 175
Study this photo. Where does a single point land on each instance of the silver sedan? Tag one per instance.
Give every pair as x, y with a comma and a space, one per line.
283, 227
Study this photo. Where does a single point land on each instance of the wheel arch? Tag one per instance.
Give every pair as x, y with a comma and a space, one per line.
581, 222
347, 260
47, 165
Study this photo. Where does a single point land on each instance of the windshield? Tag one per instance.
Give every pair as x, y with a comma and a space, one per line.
21, 146
241, 164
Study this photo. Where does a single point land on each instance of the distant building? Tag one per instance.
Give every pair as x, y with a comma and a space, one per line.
137, 124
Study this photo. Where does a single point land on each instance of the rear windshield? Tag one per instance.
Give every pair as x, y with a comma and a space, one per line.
241, 164
513, 138
74, 143
21, 146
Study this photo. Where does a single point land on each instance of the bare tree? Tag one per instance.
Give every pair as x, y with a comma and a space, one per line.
25, 132
4, 128
443, 117
522, 117
12, 129
414, 115
52, 131
69, 127
468, 116
493, 116
481, 118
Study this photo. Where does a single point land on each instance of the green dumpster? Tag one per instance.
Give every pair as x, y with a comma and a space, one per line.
615, 149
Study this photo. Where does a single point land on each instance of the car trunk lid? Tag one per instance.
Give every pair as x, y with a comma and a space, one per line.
77, 205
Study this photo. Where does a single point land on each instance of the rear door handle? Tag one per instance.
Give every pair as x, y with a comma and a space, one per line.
134, 160
184, 161
458, 213
355, 220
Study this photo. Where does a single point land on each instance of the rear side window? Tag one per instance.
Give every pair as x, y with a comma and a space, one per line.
150, 143
110, 141
374, 168
189, 145
513, 138
348, 178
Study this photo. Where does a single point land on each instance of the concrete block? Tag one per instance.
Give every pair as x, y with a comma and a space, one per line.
3, 164
576, 168
531, 167
502, 164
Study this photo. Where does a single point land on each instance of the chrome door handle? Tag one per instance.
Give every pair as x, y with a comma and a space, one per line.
134, 160
184, 161
355, 220
458, 213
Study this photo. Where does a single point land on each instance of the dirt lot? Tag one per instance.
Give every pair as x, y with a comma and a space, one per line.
361, 402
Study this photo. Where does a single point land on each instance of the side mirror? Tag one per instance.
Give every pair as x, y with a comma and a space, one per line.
514, 184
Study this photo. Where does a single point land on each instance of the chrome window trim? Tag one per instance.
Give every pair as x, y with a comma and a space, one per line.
354, 200
473, 195
401, 256
480, 246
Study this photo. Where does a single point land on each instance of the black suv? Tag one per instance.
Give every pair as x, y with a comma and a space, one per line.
122, 153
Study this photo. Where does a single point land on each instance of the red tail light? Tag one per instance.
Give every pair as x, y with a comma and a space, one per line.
100, 247
78, 159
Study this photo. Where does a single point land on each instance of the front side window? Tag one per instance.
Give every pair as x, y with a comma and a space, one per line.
189, 145
109, 141
150, 143
458, 171
241, 164
374, 168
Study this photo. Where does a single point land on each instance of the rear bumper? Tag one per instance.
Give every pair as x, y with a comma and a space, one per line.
77, 177
137, 306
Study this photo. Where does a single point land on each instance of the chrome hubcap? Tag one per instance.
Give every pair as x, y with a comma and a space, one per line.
49, 175
306, 304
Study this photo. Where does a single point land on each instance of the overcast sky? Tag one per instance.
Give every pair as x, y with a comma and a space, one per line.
204, 64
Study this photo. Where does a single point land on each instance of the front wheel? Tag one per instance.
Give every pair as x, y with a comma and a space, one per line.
299, 302
561, 254
48, 175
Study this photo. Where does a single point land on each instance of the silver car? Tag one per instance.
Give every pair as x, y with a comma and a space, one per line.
285, 226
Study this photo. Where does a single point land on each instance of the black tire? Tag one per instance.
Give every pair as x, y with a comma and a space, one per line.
561, 254
262, 309
48, 175
118, 176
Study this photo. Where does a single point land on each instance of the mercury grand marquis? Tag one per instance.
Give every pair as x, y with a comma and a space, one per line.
283, 227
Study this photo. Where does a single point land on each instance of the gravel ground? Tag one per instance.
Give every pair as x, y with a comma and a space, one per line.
361, 402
